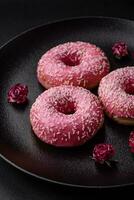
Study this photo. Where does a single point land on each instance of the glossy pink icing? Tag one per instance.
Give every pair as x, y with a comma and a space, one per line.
116, 92
52, 124
73, 63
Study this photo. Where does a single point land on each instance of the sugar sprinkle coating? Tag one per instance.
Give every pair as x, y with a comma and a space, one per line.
73, 63
66, 116
116, 93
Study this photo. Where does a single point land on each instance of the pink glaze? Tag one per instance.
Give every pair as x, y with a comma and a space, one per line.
116, 93
73, 63
66, 116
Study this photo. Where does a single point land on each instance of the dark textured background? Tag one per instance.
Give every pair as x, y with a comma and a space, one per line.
17, 16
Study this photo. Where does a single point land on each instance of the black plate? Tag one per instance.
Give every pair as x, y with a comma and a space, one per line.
20, 147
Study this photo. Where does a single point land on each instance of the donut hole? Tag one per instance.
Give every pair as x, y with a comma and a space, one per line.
66, 108
129, 89
71, 59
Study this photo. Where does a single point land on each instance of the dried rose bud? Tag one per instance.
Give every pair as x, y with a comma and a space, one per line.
120, 50
18, 94
131, 141
102, 153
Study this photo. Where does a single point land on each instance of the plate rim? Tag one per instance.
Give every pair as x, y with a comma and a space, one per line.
33, 174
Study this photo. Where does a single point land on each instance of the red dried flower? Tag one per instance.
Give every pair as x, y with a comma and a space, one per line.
18, 94
131, 141
120, 50
103, 153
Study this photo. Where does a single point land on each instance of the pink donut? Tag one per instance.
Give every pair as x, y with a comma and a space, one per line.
73, 63
66, 116
116, 94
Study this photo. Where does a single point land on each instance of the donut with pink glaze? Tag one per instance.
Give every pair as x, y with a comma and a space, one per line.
73, 63
116, 92
66, 116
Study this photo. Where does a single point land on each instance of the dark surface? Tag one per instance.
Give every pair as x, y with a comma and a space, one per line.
17, 143
16, 16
